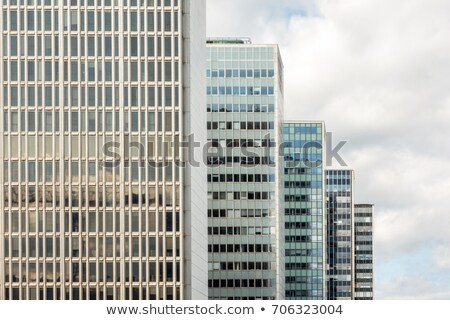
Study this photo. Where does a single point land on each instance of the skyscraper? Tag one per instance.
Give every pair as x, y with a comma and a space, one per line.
340, 240
363, 225
304, 147
245, 174
95, 202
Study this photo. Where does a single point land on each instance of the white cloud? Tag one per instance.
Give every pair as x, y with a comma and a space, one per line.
411, 288
377, 73
442, 257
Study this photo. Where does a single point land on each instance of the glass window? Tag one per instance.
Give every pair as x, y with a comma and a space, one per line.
134, 96
168, 71
108, 46
168, 46
48, 96
31, 71
99, 74
134, 121
91, 46
151, 46
107, 21
30, 16
168, 96
48, 173
91, 121
48, 122
133, 21
74, 121
91, 96
13, 71
167, 21
47, 20
74, 46
31, 45
13, 45
91, 21
74, 96
31, 121
74, 71
134, 46
151, 121
48, 46
48, 71
99, 21
134, 71
99, 46
31, 96
108, 96
108, 121
151, 21
73, 20
125, 21
108, 71
91, 71
168, 121
14, 97
14, 122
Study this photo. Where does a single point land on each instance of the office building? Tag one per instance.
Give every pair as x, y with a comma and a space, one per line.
340, 240
304, 147
245, 173
363, 225
96, 98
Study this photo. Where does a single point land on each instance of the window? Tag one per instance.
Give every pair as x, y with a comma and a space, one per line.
91, 121
134, 46
91, 21
91, 46
134, 121
108, 96
168, 46
167, 21
13, 71
108, 46
150, 21
133, 21
73, 20
91, 71
47, 20
108, 71
48, 122
48, 46
108, 121
13, 45
107, 21
30, 16
74, 121
48, 71
73, 46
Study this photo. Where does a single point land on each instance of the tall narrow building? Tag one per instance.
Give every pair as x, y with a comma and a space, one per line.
305, 210
95, 202
340, 236
245, 173
363, 225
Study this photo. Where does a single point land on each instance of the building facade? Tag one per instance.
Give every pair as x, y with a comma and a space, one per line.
340, 234
304, 192
96, 98
363, 225
245, 173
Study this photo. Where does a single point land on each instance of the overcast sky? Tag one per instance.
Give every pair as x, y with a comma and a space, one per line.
378, 73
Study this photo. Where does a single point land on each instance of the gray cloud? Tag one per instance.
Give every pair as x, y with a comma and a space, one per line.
378, 75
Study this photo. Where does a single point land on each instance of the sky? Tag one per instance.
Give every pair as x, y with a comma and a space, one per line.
378, 73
